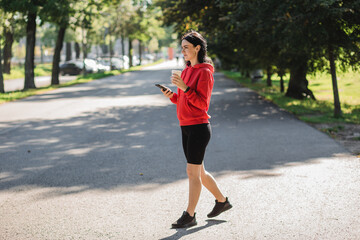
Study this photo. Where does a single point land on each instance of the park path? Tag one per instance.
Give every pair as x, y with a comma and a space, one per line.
103, 160
43, 81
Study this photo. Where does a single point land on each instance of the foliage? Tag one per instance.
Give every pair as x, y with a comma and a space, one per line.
301, 36
257, 33
48, 34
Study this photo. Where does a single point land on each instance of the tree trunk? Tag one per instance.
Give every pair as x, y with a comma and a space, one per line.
41, 54
2, 90
130, 53
281, 74
337, 106
84, 50
268, 73
111, 52
122, 45
9, 39
298, 85
83, 41
282, 89
140, 53
97, 52
104, 49
30, 51
56, 59
77, 50
68, 51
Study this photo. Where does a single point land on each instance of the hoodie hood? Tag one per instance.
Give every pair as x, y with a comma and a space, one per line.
205, 65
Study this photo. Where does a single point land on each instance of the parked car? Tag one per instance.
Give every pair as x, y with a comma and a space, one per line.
71, 68
115, 62
135, 60
118, 62
75, 67
91, 64
126, 61
149, 57
102, 67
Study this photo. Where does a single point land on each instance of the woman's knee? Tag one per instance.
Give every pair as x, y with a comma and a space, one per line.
193, 171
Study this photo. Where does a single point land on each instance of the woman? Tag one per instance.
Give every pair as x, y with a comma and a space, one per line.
192, 100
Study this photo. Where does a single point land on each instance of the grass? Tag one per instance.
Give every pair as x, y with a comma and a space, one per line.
12, 96
333, 130
19, 71
321, 110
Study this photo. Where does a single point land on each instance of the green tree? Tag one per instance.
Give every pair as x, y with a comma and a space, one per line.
8, 31
1, 68
46, 33
85, 13
340, 28
58, 12
130, 27
110, 24
327, 30
296, 35
299, 35
126, 19
2, 90
30, 9
150, 25
14, 30
69, 38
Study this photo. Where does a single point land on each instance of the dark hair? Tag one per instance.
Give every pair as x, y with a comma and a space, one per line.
196, 39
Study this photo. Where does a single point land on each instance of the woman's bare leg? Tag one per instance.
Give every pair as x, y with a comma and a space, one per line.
194, 174
210, 183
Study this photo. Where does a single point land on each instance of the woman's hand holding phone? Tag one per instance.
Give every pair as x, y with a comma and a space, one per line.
167, 92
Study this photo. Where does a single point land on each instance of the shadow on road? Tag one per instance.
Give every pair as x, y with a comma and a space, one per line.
127, 84
183, 232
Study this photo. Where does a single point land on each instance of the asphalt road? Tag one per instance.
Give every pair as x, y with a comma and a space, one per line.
103, 160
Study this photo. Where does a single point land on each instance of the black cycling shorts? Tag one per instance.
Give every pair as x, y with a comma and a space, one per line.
195, 138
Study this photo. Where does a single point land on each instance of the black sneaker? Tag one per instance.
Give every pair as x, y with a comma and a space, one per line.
185, 221
219, 208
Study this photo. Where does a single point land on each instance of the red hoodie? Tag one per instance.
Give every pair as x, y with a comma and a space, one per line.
193, 105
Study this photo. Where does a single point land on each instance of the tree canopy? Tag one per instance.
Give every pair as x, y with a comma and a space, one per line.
87, 23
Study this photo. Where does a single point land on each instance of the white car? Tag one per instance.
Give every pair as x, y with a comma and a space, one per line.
126, 61
91, 64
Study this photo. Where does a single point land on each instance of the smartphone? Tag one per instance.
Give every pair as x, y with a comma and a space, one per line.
162, 87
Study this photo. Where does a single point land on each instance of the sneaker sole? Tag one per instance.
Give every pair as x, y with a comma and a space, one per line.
185, 226
225, 209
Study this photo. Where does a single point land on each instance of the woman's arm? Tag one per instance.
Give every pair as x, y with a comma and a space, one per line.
171, 95
200, 97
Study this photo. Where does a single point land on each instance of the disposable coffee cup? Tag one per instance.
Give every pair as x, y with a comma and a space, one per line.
176, 72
